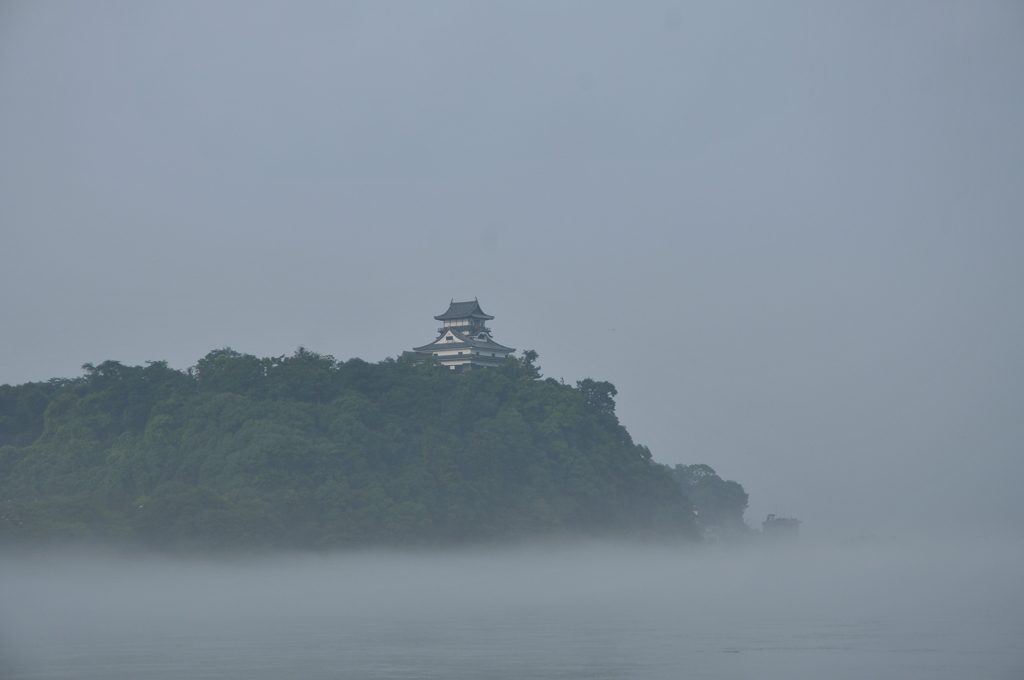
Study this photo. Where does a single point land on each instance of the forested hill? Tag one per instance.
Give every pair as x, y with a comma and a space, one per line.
304, 451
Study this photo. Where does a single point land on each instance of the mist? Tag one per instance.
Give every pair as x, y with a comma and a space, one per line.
596, 610
790, 235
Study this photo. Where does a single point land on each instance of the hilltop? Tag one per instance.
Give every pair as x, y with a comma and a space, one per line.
304, 451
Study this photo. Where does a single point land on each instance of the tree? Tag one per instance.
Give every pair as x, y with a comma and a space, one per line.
528, 364
718, 502
599, 394
225, 370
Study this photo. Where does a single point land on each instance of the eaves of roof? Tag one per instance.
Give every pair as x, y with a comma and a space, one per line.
464, 340
464, 310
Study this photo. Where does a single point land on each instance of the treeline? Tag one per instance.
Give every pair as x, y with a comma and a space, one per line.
718, 504
305, 451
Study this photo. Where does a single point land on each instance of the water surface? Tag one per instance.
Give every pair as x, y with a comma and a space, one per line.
586, 611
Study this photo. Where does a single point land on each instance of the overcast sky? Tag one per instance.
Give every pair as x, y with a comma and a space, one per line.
792, 234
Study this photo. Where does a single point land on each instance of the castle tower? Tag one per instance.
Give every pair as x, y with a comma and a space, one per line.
464, 342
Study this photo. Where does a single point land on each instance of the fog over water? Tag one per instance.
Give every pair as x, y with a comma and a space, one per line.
928, 610
790, 233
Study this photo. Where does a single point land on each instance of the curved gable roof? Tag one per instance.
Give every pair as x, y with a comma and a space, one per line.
462, 341
464, 310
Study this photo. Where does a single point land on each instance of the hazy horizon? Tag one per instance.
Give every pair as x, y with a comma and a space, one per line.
948, 609
790, 234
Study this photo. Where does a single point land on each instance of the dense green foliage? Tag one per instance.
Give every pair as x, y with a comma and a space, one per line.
719, 503
306, 451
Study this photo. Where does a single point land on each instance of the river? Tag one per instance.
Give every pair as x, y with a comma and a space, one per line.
924, 610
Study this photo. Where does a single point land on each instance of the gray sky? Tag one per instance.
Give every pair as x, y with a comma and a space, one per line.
791, 234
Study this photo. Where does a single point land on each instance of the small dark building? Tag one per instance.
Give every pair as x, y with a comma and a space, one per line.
781, 528
465, 343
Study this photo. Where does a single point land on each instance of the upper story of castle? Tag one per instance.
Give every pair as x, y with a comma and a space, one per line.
464, 315
464, 341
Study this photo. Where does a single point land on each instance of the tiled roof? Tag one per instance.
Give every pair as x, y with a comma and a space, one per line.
463, 340
464, 310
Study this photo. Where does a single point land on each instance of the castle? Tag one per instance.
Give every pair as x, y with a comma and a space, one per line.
464, 342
